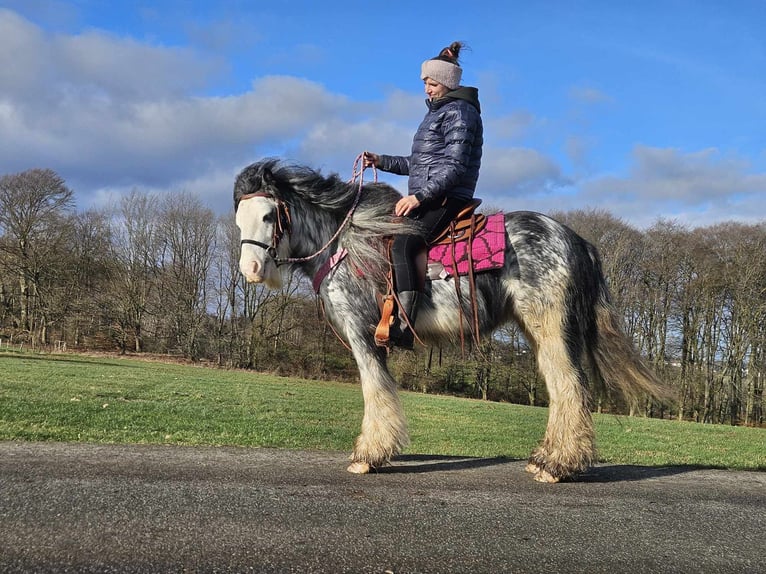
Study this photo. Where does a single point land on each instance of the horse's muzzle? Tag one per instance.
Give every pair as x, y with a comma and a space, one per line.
252, 271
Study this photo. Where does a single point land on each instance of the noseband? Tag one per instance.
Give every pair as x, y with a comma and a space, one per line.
281, 226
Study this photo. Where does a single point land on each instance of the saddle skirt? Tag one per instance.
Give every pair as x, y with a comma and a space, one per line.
488, 251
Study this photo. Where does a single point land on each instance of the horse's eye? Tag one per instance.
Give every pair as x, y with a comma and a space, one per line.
269, 217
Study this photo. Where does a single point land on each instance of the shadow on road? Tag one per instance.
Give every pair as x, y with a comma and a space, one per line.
423, 463
630, 473
420, 463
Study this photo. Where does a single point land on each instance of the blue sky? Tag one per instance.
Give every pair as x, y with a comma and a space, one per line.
649, 110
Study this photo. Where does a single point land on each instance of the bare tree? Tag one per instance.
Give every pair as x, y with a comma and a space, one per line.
33, 208
136, 247
692, 304
267, 314
226, 299
188, 232
741, 251
83, 302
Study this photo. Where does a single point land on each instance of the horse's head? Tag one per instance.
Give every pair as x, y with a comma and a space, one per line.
263, 219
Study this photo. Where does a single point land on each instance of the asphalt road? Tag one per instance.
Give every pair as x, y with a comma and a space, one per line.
155, 509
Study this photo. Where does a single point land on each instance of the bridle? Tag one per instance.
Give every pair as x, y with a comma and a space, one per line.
282, 225
284, 221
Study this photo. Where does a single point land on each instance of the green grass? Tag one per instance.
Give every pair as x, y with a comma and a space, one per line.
85, 399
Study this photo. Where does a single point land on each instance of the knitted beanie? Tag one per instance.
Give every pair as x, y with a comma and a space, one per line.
446, 73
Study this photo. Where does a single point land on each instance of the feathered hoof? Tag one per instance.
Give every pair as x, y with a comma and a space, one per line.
358, 468
540, 474
532, 468
547, 477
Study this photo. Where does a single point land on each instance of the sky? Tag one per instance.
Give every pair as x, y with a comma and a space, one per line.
650, 110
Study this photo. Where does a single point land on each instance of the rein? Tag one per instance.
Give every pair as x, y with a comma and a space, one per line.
284, 221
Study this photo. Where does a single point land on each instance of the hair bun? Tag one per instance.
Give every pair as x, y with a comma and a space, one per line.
452, 52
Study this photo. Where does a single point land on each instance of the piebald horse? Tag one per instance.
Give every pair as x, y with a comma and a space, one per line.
551, 285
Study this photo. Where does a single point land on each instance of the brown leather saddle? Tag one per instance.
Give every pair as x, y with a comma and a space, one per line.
466, 224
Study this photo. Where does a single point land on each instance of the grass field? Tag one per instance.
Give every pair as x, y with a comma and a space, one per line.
111, 400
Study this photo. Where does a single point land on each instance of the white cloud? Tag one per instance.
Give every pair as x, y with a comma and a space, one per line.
109, 112
24, 58
126, 68
509, 127
43, 67
519, 171
694, 187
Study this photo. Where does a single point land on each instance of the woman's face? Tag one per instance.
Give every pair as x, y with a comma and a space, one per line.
434, 89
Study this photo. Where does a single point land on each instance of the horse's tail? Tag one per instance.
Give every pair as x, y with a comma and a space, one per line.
615, 357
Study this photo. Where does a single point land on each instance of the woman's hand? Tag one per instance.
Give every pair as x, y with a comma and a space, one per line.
405, 205
370, 159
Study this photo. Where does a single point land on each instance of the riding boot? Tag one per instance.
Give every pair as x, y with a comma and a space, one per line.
401, 333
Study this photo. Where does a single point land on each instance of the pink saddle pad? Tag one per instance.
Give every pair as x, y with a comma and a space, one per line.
488, 251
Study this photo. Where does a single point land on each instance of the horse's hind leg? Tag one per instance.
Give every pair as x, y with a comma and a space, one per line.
568, 446
384, 427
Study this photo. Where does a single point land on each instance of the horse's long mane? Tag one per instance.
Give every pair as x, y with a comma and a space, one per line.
307, 191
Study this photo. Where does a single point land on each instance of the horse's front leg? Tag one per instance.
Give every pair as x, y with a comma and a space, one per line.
384, 427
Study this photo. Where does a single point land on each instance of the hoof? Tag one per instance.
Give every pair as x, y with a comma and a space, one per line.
541, 475
532, 468
359, 468
545, 476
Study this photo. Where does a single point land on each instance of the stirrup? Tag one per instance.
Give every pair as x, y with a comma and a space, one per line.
387, 319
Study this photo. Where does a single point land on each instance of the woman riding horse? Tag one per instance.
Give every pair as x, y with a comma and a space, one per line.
443, 168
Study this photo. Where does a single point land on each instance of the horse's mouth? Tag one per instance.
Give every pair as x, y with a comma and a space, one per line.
271, 280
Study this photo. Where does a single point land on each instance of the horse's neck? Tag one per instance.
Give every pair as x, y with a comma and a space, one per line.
313, 230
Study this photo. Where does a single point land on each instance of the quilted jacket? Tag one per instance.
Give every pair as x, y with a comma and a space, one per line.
446, 149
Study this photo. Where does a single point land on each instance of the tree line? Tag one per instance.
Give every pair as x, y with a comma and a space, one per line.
158, 274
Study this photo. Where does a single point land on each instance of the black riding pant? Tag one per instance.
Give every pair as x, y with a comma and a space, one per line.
406, 248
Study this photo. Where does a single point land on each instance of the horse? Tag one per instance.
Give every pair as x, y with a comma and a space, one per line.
551, 285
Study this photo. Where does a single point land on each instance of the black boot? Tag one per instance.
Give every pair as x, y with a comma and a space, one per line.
401, 334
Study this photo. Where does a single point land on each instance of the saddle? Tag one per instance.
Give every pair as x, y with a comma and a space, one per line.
466, 225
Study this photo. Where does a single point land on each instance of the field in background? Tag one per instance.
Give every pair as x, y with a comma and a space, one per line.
64, 397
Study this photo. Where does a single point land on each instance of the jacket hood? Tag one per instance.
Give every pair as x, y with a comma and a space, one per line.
467, 93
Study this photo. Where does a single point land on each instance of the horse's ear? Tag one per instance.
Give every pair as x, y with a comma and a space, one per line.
268, 178
269, 182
